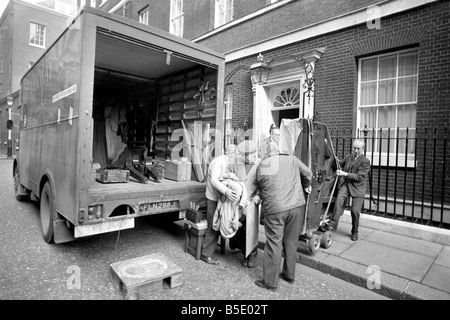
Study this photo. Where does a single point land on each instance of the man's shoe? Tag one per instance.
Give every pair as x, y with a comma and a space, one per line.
245, 262
209, 260
354, 237
261, 284
233, 248
252, 259
282, 276
251, 262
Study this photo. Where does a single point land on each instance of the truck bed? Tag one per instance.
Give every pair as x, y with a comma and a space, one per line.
133, 189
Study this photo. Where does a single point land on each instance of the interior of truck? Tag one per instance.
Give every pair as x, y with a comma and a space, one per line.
142, 96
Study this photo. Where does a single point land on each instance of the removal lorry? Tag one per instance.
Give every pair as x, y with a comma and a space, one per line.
110, 108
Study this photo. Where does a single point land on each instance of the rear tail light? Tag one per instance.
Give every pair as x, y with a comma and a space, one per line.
95, 212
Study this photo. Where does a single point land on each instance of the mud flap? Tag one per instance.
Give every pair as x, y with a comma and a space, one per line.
22, 191
61, 232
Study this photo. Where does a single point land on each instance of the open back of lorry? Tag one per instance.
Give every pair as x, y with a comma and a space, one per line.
108, 85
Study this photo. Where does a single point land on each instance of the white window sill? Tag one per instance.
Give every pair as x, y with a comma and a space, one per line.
35, 45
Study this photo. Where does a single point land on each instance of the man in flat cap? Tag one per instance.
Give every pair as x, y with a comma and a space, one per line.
219, 167
282, 180
246, 164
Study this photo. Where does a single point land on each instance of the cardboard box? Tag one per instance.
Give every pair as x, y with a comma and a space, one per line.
112, 176
178, 170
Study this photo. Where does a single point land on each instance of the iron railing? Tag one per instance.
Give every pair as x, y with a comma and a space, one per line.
410, 175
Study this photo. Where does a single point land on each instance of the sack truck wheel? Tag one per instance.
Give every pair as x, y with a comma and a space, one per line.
327, 240
47, 212
314, 243
19, 197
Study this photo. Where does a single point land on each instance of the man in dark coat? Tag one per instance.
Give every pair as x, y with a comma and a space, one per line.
352, 184
282, 180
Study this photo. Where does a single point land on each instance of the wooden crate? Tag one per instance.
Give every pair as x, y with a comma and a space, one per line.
112, 176
140, 277
194, 235
178, 170
195, 216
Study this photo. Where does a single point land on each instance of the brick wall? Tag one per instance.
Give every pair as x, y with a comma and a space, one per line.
284, 19
426, 28
242, 92
159, 12
245, 7
336, 72
196, 17
199, 18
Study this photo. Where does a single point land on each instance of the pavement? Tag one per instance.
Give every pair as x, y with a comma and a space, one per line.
396, 259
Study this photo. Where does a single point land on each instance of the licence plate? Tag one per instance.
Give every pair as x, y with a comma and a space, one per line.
158, 206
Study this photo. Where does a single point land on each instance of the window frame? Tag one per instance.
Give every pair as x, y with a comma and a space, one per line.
144, 15
383, 158
279, 87
176, 23
220, 17
228, 114
44, 36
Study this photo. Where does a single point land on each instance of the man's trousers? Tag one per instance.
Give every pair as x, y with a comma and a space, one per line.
355, 210
211, 236
282, 232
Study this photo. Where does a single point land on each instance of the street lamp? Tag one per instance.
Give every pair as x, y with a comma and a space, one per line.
260, 71
9, 101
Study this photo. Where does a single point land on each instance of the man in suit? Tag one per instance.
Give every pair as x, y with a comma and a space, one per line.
351, 184
274, 136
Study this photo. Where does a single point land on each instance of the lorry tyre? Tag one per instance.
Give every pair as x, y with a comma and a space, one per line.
19, 197
47, 212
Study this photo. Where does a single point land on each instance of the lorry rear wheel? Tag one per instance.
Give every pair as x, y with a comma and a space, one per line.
47, 212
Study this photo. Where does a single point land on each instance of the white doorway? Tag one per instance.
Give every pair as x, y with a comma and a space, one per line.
285, 86
283, 97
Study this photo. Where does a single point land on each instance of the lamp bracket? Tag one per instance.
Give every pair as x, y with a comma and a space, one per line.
308, 85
